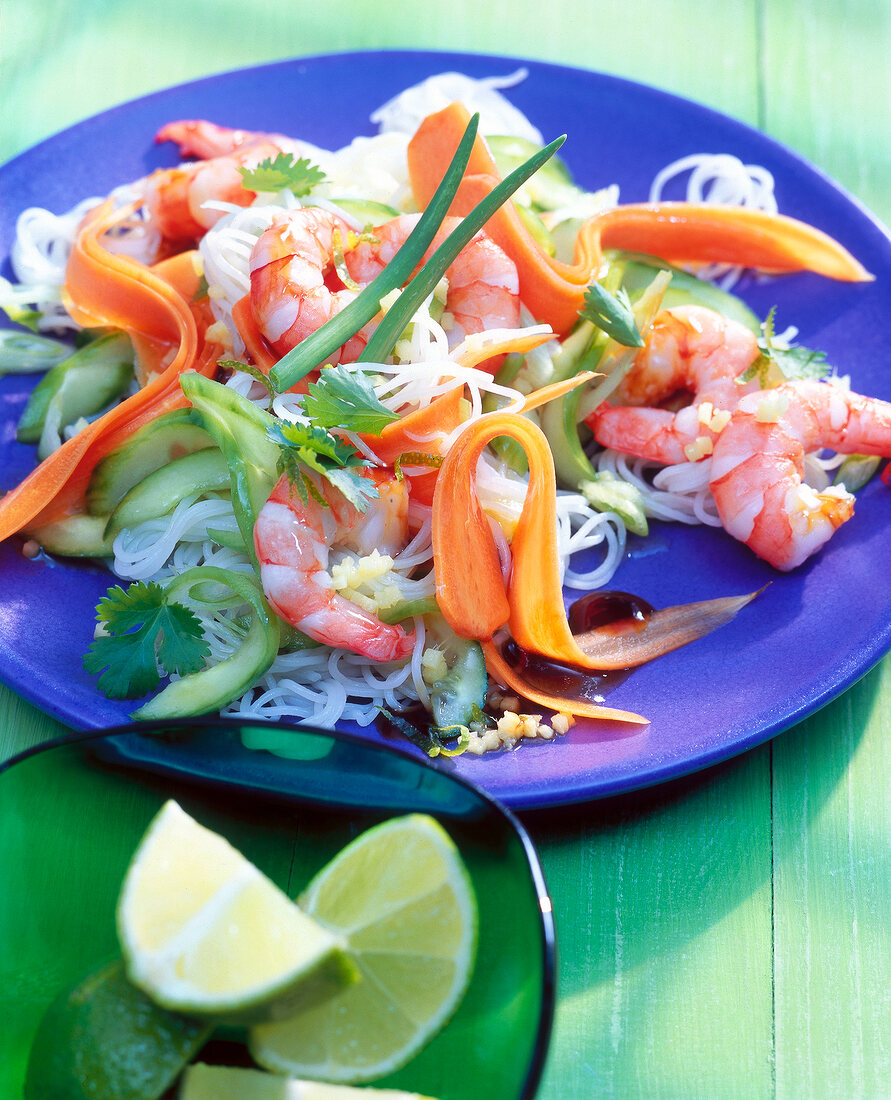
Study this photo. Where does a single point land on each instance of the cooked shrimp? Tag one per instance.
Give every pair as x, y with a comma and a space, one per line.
758, 463
688, 348
293, 541
291, 266
293, 283
176, 197
483, 287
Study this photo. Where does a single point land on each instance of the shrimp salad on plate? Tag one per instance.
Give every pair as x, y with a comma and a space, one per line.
345, 424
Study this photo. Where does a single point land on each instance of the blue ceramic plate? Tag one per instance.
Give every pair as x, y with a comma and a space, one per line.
806, 639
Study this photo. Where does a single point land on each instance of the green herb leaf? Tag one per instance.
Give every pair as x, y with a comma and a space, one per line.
305, 445
613, 314
143, 630
791, 362
343, 398
284, 172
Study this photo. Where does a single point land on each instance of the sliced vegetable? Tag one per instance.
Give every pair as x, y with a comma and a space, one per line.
503, 672
679, 232
80, 386
29, 353
155, 444
160, 491
241, 431
75, 537
210, 689
154, 307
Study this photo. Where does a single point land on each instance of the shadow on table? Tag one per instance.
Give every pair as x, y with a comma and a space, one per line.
666, 863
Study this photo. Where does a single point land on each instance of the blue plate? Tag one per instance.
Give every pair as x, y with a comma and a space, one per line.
804, 640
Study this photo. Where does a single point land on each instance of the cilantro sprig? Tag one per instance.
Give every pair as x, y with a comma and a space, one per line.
613, 313
791, 361
307, 447
144, 631
343, 398
284, 172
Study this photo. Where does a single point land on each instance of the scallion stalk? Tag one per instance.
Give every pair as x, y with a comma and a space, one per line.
391, 327
312, 351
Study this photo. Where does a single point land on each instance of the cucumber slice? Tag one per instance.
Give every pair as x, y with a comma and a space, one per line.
367, 211
550, 188
159, 493
455, 698
77, 536
158, 443
80, 386
684, 289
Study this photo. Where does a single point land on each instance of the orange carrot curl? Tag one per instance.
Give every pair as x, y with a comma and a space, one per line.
470, 587
155, 307
677, 232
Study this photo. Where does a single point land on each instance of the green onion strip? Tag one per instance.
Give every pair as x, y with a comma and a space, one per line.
312, 351
394, 322
325, 340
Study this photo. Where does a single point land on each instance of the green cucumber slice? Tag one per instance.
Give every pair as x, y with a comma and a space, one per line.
168, 437
158, 494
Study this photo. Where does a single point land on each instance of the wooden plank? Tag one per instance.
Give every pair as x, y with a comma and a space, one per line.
832, 813
664, 932
832, 883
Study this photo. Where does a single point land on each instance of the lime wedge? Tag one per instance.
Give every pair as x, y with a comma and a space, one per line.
401, 898
204, 932
106, 1039
201, 1082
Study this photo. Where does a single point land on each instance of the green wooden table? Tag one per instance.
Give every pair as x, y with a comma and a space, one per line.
726, 935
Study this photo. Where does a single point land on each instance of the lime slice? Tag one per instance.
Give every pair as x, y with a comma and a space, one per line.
106, 1039
203, 931
401, 897
201, 1082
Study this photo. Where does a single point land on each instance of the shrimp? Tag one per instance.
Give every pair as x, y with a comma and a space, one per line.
291, 267
687, 348
293, 289
483, 291
758, 462
293, 540
175, 197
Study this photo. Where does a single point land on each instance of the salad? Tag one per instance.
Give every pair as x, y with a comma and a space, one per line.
343, 423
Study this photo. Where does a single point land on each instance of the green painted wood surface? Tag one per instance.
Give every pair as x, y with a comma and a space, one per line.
722, 937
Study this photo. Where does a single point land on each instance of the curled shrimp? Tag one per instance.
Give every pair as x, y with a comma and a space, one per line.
758, 463
294, 286
483, 286
292, 269
293, 540
175, 198
688, 348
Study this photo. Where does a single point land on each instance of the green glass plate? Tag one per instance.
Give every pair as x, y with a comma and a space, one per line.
72, 812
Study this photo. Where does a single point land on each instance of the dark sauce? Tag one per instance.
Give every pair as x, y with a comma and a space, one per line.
616, 611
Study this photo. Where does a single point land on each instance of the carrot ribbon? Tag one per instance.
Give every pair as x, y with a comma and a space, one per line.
154, 306
470, 587
677, 232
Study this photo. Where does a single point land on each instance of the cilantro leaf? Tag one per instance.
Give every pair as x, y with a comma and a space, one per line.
306, 445
792, 361
143, 630
345, 399
299, 176
613, 314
